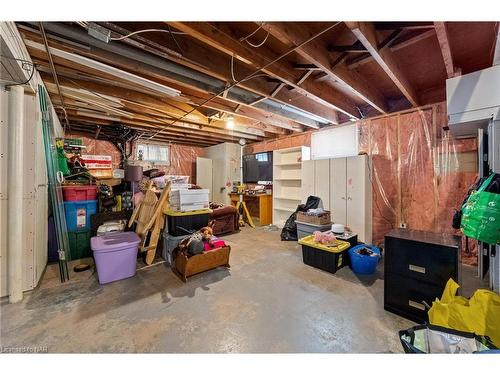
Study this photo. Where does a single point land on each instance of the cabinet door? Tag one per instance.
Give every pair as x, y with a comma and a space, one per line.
322, 181
338, 190
358, 188
307, 183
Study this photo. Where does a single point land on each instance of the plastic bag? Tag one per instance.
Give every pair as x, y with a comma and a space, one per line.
481, 214
480, 314
289, 231
434, 340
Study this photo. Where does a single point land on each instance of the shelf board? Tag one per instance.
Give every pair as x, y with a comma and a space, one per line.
288, 179
288, 164
289, 199
284, 209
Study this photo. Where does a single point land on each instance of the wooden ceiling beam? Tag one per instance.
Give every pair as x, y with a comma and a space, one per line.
76, 115
219, 65
173, 137
403, 25
252, 113
394, 47
259, 58
292, 34
444, 44
366, 34
89, 129
154, 107
248, 118
160, 123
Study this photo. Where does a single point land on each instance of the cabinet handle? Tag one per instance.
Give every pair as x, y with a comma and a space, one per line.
349, 198
342, 198
416, 305
418, 269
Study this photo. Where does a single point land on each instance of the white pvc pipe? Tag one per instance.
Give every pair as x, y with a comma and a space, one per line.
15, 194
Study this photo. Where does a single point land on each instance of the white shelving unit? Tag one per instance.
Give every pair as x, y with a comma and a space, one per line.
287, 181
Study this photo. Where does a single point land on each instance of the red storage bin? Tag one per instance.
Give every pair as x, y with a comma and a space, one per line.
80, 193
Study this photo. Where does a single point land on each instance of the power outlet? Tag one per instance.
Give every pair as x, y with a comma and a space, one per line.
402, 225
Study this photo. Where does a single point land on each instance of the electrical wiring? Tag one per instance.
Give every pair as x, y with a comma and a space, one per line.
252, 75
244, 79
260, 44
24, 62
147, 31
252, 33
175, 40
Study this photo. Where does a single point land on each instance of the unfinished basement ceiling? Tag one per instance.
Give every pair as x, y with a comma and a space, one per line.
274, 78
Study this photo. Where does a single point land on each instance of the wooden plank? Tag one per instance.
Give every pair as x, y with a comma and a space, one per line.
395, 47
444, 44
365, 32
212, 63
317, 54
255, 114
254, 119
218, 39
157, 107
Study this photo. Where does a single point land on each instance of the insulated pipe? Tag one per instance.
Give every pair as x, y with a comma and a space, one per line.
15, 194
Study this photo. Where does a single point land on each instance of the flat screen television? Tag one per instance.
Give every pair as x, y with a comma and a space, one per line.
258, 167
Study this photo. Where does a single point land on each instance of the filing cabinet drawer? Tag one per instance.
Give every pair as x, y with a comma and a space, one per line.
405, 296
422, 261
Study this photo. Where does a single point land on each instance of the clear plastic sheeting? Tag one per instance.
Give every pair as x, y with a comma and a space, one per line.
182, 158
420, 172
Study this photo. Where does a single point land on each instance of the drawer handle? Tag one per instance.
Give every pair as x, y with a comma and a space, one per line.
418, 269
416, 305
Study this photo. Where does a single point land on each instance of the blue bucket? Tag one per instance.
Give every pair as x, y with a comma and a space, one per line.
364, 264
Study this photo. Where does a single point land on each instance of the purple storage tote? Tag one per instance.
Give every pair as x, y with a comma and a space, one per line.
115, 255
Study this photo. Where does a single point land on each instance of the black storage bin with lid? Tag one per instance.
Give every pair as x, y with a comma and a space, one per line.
183, 223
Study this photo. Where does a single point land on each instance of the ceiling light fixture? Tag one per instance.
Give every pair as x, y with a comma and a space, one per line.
230, 122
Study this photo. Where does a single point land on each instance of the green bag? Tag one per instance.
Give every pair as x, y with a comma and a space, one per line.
481, 215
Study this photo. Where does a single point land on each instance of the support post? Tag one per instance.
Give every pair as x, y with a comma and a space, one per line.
15, 194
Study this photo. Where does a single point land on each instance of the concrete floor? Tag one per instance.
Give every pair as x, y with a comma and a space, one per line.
269, 301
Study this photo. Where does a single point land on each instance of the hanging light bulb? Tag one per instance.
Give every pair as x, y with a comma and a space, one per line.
230, 122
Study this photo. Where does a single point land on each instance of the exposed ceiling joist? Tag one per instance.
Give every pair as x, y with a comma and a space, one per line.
143, 63
129, 98
268, 121
403, 25
218, 39
315, 52
444, 44
366, 34
394, 47
148, 126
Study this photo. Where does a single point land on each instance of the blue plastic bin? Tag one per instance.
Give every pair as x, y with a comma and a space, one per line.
363, 264
78, 215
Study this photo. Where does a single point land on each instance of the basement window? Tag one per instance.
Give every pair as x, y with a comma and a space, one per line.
157, 154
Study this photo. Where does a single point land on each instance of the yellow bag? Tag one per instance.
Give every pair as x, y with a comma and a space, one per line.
480, 314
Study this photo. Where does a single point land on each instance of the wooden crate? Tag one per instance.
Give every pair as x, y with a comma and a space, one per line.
185, 266
321, 219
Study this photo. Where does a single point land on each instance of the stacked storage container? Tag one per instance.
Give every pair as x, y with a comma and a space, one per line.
80, 203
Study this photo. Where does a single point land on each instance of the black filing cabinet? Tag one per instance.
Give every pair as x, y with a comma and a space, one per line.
417, 266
